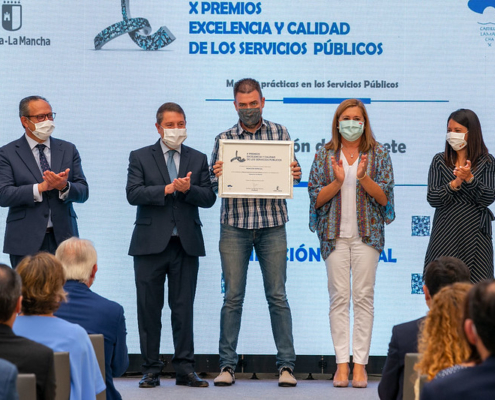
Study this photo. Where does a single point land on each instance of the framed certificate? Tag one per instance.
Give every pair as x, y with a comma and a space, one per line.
256, 168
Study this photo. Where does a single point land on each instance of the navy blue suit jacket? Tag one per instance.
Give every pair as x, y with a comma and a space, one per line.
474, 383
27, 220
156, 213
8, 381
404, 340
97, 314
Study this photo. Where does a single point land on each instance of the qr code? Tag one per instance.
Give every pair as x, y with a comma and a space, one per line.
417, 284
420, 225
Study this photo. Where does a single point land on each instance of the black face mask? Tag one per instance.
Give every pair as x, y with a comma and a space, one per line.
250, 117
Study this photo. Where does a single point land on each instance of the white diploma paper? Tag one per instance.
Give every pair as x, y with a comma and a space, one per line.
256, 168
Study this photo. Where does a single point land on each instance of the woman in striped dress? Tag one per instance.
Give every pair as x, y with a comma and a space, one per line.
461, 186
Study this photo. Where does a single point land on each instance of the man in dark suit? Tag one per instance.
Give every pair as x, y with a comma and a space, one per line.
439, 273
93, 312
29, 357
40, 178
478, 382
168, 182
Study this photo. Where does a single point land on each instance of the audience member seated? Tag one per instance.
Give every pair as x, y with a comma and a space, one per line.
441, 342
439, 273
29, 357
94, 313
8, 381
43, 279
473, 359
476, 383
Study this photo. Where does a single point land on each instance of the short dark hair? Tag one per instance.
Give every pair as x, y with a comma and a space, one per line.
171, 107
10, 291
481, 300
445, 271
475, 145
24, 104
247, 85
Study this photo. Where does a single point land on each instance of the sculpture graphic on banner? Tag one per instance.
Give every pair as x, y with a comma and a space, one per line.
132, 26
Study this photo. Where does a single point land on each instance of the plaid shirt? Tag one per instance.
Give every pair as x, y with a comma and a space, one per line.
251, 213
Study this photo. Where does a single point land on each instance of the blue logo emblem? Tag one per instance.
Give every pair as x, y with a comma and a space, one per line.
139, 30
12, 15
420, 225
479, 6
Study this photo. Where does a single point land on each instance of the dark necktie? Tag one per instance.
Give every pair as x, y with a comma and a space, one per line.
43, 161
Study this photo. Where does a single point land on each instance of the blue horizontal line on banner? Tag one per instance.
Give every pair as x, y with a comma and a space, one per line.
229, 100
319, 100
335, 100
409, 101
305, 184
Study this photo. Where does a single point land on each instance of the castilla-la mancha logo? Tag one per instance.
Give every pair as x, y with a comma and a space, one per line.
11, 15
487, 28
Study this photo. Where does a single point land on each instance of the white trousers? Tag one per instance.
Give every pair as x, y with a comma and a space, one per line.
354, 262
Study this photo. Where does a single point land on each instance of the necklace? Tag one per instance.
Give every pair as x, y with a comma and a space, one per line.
352, 154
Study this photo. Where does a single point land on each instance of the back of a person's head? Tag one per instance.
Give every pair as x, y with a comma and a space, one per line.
43, 281
482, 311
78, 256
441, 341
10, 291
445, 271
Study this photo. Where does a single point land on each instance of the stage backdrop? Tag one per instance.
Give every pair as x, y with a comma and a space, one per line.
412, 63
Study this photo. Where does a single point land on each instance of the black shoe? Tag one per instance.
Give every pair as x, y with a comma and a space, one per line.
150, 380
192, 380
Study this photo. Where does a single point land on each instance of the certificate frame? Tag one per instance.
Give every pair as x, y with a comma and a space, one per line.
256, 169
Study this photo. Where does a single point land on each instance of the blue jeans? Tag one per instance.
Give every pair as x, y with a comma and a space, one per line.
270, 244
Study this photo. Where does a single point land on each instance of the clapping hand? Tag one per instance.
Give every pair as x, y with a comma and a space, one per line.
464, 173
338, 170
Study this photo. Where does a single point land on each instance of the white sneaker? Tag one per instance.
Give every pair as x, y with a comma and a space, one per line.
286, 378
225, 378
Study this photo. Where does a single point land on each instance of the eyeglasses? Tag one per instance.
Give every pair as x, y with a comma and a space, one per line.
42, 117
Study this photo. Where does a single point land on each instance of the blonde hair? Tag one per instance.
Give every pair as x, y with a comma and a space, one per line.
441, 342
43, 280
78, 256
367, 139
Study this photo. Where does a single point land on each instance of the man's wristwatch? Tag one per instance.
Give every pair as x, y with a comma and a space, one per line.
65, 189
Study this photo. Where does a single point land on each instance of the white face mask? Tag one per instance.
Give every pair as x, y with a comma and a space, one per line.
43, 130
351, 130
456, 140
173, 138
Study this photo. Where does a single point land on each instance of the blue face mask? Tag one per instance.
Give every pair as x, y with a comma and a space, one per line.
351, 130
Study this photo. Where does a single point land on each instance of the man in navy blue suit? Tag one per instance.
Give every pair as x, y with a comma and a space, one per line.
478, 382
167, 182
40, 178
439, 273
93, 312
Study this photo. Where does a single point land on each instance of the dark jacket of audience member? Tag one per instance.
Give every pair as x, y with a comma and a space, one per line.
478, 382
29, 357
8, 381
439, 273
93, 312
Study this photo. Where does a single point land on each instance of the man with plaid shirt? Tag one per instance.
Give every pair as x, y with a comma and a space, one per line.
258, 223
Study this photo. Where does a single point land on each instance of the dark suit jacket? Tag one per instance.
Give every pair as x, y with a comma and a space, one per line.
27, 220
475, 383
97, 314
8, 381
30, 358
156, 213
404, 340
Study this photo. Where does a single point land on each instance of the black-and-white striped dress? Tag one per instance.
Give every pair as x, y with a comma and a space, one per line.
462, 225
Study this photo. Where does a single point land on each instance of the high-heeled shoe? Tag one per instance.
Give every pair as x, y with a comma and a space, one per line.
341, 376
361, 381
